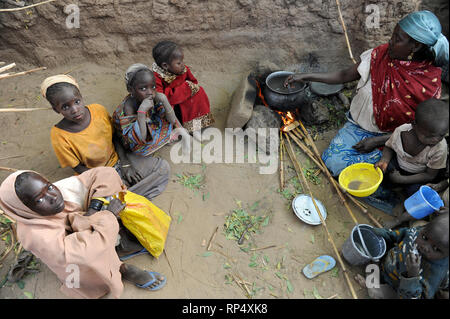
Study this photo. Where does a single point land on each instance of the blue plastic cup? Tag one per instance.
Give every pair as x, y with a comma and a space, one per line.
423, 202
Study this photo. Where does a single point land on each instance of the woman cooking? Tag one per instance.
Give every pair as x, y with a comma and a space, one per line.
393, 78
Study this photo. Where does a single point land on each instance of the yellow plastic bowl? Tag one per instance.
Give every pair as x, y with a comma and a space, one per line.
361, 179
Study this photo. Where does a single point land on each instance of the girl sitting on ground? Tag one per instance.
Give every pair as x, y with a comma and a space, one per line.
145, 120
84, 139
176, 81
52, 223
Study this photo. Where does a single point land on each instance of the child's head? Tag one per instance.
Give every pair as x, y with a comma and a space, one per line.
65, 98
431, 121
140, 82
432, 240
169, 56
38, 194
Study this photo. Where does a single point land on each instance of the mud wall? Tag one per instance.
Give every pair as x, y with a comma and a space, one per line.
112, 30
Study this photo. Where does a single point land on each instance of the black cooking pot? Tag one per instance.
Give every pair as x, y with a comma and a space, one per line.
281, 98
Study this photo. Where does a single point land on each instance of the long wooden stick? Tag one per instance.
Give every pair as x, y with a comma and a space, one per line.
8, 169
27, 7
281, 162
7, 67
11, 75
331, 179
212, 238
294, 160
330, 238
6, 110
345, 31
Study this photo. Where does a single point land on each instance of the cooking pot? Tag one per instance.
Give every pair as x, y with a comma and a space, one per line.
281, 98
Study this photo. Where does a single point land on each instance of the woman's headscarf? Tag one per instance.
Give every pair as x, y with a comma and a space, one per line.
132, 70
69, 238
48, 82
424, 27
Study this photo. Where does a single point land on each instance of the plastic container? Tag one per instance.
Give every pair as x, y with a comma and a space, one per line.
423, 202
353, 251
361, 179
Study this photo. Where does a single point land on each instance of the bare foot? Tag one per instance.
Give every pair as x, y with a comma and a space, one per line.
138, 276
360, 280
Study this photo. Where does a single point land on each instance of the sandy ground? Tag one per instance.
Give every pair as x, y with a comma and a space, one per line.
190, 274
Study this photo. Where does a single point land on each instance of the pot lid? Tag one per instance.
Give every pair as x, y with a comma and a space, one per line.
325, 89
305, 210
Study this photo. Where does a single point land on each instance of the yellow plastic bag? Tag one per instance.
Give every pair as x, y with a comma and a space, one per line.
144, 220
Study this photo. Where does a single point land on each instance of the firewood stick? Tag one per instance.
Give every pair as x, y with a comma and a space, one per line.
307, 151
212, 238
7, 169
6, 110
331, 179
26, 7
330, 238
294, 160
2, 63
21, 73
281, 161
7, 67
345, 31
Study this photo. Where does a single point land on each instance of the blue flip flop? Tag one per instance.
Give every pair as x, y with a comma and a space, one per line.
318, 266
153, 274
140, 252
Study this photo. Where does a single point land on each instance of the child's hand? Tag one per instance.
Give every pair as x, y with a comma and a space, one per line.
396, 177
442, 210
413, 264
146, 105
131, 175
382, 164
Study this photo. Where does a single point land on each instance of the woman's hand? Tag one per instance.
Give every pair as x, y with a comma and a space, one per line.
413, 264
367, 145
116, 206
297, 77
130, 174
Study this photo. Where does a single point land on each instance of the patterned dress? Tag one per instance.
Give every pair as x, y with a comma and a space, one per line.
127, 126
433, 276
183, 91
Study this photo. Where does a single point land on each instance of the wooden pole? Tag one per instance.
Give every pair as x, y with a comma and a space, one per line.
11, 75
345, 31
26, 7
6, 110
281, 161
330, 238
7, 67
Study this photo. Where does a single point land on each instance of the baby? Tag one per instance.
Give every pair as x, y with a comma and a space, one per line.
417, 264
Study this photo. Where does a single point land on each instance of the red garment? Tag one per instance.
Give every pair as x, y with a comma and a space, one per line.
179, 92
398, 86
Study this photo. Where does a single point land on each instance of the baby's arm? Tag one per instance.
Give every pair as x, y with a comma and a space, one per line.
383, 163
420, 178
175, 95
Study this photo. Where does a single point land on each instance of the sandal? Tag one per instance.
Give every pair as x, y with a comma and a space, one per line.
153, 274
19, 269
318, 266
140, 252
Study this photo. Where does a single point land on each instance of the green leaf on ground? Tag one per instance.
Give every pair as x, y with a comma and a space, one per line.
180, 218
335, 272
289, 286
28, 294
316, 293
21, 284
312, 239
207, 254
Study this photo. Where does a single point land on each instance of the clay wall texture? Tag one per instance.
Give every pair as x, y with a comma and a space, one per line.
114, 29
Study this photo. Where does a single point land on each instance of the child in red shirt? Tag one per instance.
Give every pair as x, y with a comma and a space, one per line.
176, 81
